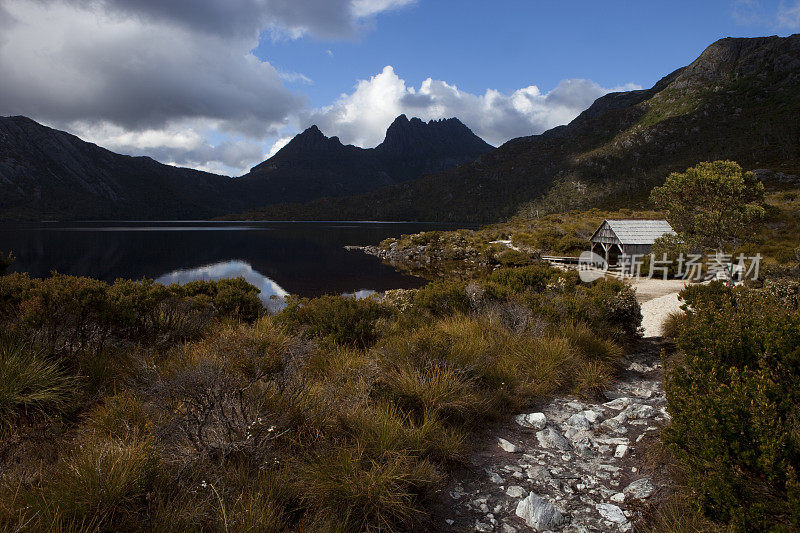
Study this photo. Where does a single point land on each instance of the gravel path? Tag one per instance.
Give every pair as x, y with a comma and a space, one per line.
573, 466
655, 311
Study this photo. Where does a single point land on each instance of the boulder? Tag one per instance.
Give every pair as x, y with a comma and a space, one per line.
550, 438
578, 421
611, 512
539, 514
506, 446
532, 420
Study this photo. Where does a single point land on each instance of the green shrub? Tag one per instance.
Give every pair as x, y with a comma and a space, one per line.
70, 315
442, 298
734, 405
528, 278
342, 319
231, 297
514, 258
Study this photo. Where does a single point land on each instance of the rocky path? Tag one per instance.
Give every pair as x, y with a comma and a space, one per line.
572, 466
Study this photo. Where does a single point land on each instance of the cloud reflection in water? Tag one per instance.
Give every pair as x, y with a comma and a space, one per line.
272, 294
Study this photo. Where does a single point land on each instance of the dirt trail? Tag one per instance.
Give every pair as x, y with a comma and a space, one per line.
570, 466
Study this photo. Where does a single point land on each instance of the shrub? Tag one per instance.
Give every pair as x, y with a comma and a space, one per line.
122, 417
734, 405
222, 396
529, 278
672, 325
231, 297
444, 297
342, 319
30, 385
514, 258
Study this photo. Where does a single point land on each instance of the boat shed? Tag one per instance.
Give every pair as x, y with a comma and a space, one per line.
615, 238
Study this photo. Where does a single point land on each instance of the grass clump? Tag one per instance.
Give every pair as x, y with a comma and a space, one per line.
346, 489
30, 385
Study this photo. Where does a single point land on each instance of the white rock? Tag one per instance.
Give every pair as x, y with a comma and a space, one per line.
532, 420
508, 529
640, 489
611, 512
618, 497
578, 421
515, 491
621, 451
449, 522
539, 514
507, 446
616, 422
550, 438
495, 478
639, 410
612, 440
591, 416
619, 403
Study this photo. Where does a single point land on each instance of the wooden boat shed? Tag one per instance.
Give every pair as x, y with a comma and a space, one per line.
627, 237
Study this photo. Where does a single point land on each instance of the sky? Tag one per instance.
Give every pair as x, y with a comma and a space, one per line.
220, 85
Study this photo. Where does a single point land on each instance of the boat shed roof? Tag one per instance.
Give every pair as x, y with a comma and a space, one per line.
630, 231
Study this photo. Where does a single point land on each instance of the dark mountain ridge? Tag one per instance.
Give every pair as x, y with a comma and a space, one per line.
739, 100
50, 174
312, 165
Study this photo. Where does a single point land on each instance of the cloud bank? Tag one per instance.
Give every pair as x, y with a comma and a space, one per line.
361, 117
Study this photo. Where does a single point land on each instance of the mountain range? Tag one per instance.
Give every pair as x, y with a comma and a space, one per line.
739, 100
50, 174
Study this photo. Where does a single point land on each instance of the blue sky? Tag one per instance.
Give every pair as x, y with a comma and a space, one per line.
509, 44
224, 84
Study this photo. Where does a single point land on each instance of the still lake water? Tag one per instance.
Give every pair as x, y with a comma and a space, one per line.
280, 258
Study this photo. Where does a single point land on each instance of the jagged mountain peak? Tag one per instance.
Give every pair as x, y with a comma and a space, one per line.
313, 165
415, 137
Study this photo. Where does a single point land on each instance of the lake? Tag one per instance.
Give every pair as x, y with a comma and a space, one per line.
280, 258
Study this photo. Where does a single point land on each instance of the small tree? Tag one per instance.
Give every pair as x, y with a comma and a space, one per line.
712, 205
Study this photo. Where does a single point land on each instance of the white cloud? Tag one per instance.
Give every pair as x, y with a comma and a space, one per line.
361, 117
151, 69
277, 145
182, 144
63, 63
